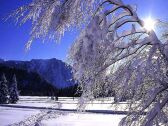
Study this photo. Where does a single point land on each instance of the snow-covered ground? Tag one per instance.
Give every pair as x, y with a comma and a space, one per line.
9, 115
69, 103
85, 119
30, 110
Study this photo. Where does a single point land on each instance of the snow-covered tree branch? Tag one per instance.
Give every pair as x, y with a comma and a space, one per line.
51, 18
136, 58
113, 52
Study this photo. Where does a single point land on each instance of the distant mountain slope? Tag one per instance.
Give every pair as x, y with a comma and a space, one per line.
54, 71
1, 60
29, 83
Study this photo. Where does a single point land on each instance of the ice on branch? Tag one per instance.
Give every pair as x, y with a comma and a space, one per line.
113, 39
134, 58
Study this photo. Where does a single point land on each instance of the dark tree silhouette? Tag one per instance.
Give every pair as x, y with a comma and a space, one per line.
3, 90
13, 91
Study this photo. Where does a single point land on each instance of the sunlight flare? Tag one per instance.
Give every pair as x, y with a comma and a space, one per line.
149, 24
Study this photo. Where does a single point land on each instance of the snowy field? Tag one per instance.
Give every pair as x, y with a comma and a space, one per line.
30, 110
9, 115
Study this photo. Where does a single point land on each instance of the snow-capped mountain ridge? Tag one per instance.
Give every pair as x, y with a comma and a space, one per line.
54, 71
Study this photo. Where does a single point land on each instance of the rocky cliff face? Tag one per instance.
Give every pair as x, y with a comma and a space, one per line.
54, 71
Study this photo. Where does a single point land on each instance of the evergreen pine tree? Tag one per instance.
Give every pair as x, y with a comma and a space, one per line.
3, 90
13, 92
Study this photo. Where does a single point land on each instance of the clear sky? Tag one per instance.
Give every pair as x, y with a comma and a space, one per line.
13, 38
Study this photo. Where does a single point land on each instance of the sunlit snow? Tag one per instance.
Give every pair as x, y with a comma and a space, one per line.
18, 114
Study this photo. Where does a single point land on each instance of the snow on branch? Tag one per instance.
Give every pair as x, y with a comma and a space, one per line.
51, 18
116, 50
113, 53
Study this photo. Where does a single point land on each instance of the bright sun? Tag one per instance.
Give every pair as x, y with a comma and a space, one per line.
149, 24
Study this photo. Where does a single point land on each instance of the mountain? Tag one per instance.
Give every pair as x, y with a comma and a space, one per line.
1, 60
53, 71
29, 83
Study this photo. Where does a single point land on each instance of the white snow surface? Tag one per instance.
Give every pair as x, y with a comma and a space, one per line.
69, 103
84, 119
11, 115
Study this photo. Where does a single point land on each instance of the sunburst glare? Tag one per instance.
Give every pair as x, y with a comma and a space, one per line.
149, 24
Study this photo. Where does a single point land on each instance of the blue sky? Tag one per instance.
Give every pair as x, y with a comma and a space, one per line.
13, 38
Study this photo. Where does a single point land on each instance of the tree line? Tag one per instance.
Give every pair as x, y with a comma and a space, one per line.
32, 84
8, 94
